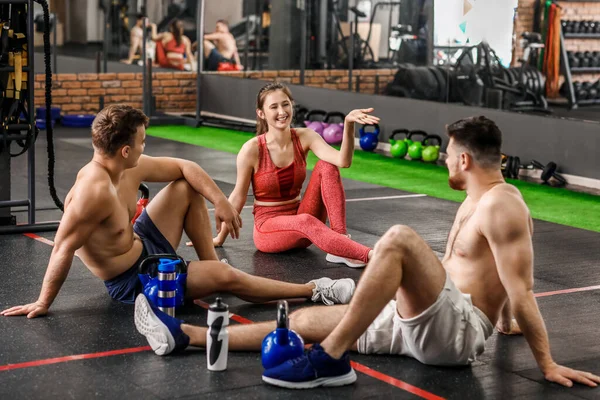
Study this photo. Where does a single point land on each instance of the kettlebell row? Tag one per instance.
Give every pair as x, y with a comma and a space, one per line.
428, 149
330, 125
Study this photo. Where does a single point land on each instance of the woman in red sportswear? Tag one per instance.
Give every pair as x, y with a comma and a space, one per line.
275, 162
173, 47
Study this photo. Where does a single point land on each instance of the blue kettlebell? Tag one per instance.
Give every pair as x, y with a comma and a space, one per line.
148, 272
368, 140
283, 343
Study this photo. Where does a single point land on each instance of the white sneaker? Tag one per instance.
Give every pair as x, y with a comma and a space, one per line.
162, 331
341, 260
330, 291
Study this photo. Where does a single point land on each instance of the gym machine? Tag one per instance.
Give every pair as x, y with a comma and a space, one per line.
17, 112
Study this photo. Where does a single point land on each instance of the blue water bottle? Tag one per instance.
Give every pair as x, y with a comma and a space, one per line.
167, 286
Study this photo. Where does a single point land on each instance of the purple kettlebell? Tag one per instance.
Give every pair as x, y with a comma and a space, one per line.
317, 126
334, 132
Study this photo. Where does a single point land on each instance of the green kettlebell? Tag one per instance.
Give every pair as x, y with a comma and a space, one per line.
431, 152
398, 148
415, 150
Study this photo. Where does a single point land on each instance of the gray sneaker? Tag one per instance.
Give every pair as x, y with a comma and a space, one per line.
331, 291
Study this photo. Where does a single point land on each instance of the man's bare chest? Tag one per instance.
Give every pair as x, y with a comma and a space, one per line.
465, 239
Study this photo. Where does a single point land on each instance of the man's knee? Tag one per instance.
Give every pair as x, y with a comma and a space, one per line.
208, 46
299, 319
399, 238
183, 190
228, 278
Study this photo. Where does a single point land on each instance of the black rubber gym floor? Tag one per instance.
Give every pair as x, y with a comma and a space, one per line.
88, 346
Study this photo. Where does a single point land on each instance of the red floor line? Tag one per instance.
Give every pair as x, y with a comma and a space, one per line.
235, 317
57, 360
359, 367
395, 382
564, 291
39, 238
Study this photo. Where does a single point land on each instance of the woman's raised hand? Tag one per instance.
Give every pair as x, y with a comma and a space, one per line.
362, 116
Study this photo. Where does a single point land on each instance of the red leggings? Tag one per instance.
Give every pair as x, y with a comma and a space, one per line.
298, 225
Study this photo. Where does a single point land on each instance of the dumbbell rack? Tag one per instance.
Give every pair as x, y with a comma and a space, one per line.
568, 71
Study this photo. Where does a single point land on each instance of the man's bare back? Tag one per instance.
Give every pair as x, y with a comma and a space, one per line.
112, 247
469, 259
225, 44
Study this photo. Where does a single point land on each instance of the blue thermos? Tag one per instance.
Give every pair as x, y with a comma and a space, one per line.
163, 278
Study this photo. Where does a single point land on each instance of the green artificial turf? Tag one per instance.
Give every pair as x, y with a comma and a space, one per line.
546, 203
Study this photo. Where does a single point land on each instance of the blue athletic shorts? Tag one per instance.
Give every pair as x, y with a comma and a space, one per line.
214, 58
127, 286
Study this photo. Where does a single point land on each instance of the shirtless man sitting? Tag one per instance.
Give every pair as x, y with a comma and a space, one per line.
224, 48
96, 225
407, 301
136, 39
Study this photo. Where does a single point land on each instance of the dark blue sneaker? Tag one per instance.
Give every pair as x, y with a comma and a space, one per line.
315, 368
162, 331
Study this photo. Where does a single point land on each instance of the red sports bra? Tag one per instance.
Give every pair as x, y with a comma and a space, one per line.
173, 47
271, 183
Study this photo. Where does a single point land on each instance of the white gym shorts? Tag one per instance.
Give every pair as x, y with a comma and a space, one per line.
451, 332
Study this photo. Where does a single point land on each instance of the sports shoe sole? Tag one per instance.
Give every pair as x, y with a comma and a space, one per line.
341, 260
148, 324
332, 381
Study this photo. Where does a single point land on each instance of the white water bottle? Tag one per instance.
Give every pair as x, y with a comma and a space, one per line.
217, 336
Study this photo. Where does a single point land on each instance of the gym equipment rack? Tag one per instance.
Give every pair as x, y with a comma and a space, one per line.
568, 71
26, 133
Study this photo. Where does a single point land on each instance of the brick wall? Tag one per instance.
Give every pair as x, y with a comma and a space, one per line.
176, 91
81, 93
575, 11
523, 23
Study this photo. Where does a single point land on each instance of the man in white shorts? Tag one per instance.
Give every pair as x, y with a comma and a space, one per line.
408, 302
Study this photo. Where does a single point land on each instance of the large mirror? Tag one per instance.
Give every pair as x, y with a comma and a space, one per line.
517, 55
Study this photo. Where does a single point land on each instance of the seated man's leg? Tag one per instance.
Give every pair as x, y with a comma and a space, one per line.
166, 334
208, 46
313, 324
179, 207
208, 277
212, 56
403, 267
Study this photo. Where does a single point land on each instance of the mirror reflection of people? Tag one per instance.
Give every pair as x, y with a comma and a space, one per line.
220, 47
173, 48
136, 39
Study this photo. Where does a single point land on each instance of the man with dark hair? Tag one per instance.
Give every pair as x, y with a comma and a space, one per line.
223, 50
407, 301
97, 224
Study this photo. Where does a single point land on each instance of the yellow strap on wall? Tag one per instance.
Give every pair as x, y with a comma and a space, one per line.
18, 76
10, 85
